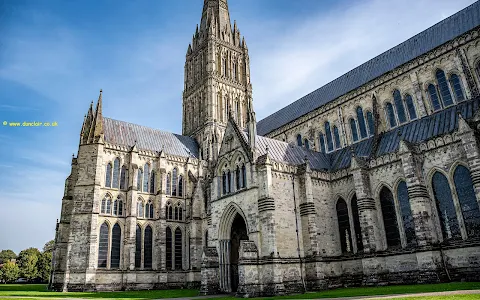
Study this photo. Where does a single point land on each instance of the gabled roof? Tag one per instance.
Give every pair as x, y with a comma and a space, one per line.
126, 134
435, 36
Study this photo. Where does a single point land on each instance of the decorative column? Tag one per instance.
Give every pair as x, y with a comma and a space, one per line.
420, 201
462, 62
371, 235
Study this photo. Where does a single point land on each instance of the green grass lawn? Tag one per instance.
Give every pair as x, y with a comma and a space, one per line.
39, 291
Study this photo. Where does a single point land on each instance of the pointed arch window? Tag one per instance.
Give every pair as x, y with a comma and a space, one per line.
412, 114
307, 144
120, 206
116, 173
361, 122
336, 137
104, 204
149, 209
169, 211
389, 217
169, 184
115, 207
139, 180
371, 123
467, 200
147, 247
244, 176
445, 207
123, 178
116, 240
108, 210
179, 212
432, 91
457, 88
138, 247
322, 142
152, 182
390, 115
224, 183
174, 181
328, 134
168, 250
108, 175
146, 175
356, 224
180, 186
229, 182
299, 140
353, 128
103, 245
406, 210
344, 226
237, 177
397, 98
444, 89
178, 249
140, 208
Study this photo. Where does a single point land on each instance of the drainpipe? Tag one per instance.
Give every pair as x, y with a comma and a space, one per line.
296, 230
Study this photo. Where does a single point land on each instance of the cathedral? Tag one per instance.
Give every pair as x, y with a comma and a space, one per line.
372, 179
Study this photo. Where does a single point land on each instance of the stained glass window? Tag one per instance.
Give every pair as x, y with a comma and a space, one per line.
443, 87
152, 183
224, 183
139, 180
468, 201
412, 114
180, 186
457, 87
353, 128
108, 175
147, 247
237, 177
356, 223
180, 212
299, 140
371, 123
229, 182
407, 217
328, 134
178, 249
116, 239
108, 211
120, 206
140, 213
138, 247
445, 207
397, 98
169, 184
123, 178
344, 226
432, 91
146, 175
322, 143
361, 122
389, 217
336, 137
103, 245
104, 205
115, 207
307, 144
174, 181
244, 177
168, 250
390, 115
116, 173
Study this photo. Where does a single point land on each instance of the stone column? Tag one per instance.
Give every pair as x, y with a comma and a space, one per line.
472, 151
248, 283
421, 109
307, 211
420, 201
210, 278
369, 223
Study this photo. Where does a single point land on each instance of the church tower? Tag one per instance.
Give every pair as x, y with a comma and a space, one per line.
217, 79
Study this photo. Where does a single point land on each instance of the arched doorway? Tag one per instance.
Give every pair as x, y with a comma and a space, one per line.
237, 233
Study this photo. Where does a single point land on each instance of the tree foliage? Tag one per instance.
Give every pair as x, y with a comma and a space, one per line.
27, 262
49, 246
44, 266
7, 255
9, 272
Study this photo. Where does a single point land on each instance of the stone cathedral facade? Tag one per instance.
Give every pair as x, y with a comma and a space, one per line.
371, 179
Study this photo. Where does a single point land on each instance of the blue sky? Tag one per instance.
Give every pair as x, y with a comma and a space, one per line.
56, 55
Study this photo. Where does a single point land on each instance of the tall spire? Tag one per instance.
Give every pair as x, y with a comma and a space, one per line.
96, 131
216, 11
87, 122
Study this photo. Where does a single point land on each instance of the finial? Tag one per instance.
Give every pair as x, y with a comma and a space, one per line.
73, 155
100, 91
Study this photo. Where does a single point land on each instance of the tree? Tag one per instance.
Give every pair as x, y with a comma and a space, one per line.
49, 246
27, 262
44, 266
7, 255
9, 272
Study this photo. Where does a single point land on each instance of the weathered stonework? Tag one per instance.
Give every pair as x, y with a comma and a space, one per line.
224, 210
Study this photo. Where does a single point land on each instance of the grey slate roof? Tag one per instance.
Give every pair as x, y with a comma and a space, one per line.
440, 33
417, 131
123, 133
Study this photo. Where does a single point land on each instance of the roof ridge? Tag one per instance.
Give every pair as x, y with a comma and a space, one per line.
147, 127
